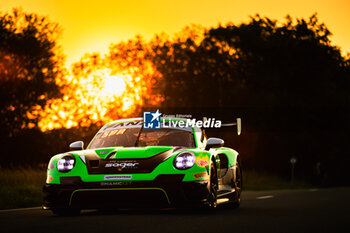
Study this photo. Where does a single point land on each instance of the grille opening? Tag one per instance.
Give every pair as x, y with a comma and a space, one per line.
119, 198
94, 163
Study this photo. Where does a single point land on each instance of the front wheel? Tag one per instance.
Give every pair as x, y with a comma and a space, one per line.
213, 192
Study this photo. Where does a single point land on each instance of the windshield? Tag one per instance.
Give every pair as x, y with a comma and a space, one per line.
137, 137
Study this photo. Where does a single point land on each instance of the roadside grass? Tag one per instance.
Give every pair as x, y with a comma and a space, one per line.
22, 186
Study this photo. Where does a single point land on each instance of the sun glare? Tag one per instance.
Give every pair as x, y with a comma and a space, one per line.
98, 96
100, 89
114, 85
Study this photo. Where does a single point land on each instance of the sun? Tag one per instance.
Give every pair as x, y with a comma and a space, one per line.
98, 94
115, 85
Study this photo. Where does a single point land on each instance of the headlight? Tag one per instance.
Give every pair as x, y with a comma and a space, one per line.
66, 163
184, 160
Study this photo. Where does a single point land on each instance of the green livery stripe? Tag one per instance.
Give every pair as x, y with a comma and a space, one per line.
110, 189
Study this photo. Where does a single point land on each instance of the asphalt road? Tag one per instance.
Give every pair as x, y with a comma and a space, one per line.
296, 211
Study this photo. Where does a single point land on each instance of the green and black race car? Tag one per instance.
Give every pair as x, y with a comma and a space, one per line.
128, 165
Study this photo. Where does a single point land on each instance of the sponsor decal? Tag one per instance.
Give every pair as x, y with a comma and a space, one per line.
151, 120
118, 177
103, 152
51, 166
202, 160
123, 125
115, 183
122, 165
202, 163
113, 132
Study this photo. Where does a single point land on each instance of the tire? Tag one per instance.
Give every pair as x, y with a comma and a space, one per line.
65, 212
236, 196
213, 192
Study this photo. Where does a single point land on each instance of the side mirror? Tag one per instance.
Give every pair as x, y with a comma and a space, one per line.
214, 143
79, 145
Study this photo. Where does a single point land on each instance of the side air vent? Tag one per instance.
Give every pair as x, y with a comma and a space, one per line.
112, 154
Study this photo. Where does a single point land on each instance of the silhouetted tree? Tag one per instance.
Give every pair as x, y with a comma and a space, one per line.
289, 64
29, 63
266, 62
286, 78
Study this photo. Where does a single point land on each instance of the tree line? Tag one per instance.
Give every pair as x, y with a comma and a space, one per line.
285, 79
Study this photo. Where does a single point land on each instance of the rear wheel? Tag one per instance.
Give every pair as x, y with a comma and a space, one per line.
237, 184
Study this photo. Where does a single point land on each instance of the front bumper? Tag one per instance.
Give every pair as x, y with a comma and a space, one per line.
164, 191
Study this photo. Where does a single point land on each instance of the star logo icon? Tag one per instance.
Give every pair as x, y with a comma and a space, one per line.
155, 115
151, 120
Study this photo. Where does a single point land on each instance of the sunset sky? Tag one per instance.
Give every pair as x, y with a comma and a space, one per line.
90, 26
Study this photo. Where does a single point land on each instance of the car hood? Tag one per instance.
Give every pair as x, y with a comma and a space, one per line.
124, 152
125, 159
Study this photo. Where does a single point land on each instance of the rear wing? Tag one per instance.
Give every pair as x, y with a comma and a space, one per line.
238, 123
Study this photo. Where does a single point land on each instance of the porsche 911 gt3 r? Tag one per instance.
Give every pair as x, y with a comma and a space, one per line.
127, 165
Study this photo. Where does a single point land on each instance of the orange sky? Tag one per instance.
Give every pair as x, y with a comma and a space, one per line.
92, 25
